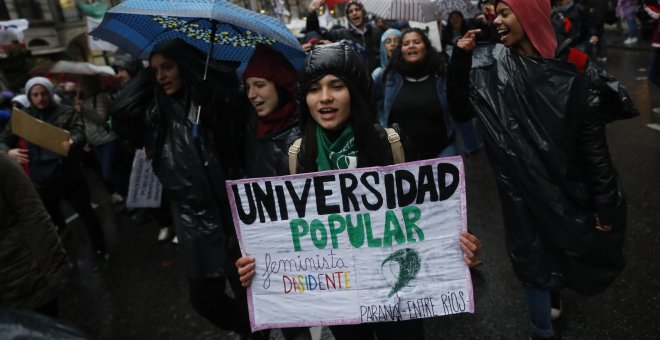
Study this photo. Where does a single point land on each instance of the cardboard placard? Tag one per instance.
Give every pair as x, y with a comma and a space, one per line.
38, 132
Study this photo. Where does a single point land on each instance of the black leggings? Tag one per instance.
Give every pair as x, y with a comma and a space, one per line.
76, 193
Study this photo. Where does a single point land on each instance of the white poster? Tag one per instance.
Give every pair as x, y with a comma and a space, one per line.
355, 246
96, 44
144, 188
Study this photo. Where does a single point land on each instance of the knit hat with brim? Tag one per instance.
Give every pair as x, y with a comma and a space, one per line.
534, 17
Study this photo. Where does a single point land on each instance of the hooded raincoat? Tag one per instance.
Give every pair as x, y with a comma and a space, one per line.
544, 121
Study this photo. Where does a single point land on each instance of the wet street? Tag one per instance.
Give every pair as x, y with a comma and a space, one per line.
142, 294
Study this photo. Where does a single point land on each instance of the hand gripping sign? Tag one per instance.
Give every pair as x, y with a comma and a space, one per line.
355, 246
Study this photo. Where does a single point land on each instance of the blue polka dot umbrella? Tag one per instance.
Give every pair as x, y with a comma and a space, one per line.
228, 31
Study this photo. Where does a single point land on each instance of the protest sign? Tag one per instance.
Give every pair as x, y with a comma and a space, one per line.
355, 246
38, 132
144, 188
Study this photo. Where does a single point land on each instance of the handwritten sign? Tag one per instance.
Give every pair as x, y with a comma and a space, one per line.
355, 246
144, 188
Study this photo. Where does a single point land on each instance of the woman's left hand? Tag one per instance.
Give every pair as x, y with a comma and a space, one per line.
471, 246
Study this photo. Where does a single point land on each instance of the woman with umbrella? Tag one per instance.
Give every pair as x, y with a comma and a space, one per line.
337, 122
544, 121
158, 110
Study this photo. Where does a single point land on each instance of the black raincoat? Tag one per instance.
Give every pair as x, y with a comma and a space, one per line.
195, 185
544, 123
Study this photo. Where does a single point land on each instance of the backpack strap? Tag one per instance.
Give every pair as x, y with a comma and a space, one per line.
294, 149
398, 155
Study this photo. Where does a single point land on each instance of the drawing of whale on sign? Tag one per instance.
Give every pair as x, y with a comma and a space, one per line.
355, 246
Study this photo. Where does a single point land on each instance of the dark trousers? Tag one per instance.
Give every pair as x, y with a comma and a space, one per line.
76, 193
209, 299
49, 309
409, 330
105, 154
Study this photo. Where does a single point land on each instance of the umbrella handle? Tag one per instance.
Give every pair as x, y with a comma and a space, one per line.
214, 27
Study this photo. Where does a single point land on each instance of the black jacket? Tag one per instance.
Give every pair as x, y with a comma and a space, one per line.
544, 124
33, 264
268, 156
194, 182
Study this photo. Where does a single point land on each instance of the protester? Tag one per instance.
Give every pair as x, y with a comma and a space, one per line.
158, 110
104, 143
54, 176
456, 27
578, 25
484, 22
413, 90
336, 118
33, 265
127, 68
388, 43
359, 30
270, 85
564, 213
627, 10
598, 10
653, 10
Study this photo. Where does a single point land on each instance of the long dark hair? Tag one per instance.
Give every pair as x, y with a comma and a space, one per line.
223, 107
432, 63
367, 142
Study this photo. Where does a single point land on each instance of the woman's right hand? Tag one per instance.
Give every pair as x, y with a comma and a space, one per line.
19, 155
245, 266
469, 41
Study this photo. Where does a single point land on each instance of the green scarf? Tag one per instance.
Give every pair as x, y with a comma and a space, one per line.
340, 154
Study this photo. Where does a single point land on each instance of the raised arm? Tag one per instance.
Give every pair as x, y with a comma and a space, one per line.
458, 77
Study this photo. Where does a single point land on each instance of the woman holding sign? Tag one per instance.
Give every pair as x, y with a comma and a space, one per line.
339, 132
544, 113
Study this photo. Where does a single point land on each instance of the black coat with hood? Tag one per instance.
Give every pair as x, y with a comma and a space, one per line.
192, 167
544, 122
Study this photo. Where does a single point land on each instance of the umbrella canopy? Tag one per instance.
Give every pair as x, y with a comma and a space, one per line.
410, 10
80, 68
136, 26
447, 6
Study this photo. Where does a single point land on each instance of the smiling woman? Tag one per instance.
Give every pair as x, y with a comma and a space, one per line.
564, 228
413, 91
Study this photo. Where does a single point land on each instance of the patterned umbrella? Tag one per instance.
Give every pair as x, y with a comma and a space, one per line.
410, 10
136, 26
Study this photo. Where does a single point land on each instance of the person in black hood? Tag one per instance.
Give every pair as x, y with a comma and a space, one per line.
339, 132
158, 110
544, 116
127, 67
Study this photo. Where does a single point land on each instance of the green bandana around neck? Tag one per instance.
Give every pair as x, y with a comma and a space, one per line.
340, 154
